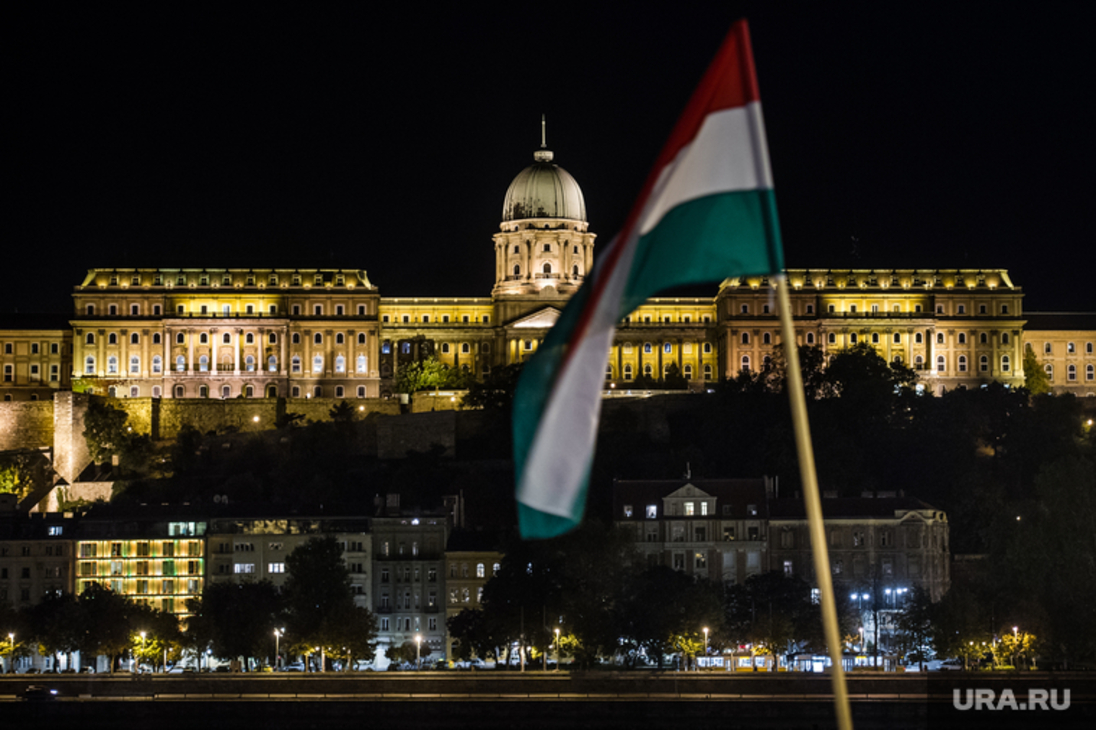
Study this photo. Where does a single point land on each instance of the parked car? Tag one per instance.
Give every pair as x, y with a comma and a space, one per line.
951, 665
38, 693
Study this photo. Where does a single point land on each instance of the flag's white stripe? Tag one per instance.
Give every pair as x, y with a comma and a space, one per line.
727, 155
559, 456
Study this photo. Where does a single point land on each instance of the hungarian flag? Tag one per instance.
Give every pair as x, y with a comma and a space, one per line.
707, 212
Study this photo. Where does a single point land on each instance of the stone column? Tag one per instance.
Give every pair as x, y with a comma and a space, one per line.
213, 334
239, 333
190, 350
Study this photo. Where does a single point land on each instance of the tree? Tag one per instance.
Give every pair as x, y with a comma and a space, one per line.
54, 623
237, 619
773, 611
103, 623
342, 412
402, 654
862, 378
350, 634
496, 392
317, 592
666, 610
915, 624
105, 430
17, 474
1036, 380
429, 374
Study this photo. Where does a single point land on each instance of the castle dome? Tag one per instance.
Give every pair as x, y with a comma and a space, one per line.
544, 190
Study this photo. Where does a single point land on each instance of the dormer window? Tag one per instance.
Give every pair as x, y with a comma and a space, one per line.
652, 511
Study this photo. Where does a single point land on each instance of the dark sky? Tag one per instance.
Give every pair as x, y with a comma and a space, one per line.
901, 134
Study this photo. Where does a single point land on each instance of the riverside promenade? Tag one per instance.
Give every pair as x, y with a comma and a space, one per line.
540, 700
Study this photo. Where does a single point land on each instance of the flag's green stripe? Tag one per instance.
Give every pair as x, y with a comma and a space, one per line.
704, 240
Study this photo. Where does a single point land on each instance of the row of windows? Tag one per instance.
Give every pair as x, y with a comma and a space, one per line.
1071, 348
226, 279
226, 338
648, 371
227, 364
666, 319
113, 310
34, 372
425, 319
546, 269
1071, 372
35, 348
404, 624
667, 348
248, 391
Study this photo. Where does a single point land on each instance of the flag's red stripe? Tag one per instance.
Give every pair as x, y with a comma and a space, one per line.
729, 82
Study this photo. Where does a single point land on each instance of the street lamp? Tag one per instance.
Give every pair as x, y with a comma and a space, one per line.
142, 649
11, 657
277, 654
557, 649
705, 643
418, 648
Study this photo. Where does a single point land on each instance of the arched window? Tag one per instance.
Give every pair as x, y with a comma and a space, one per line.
574, 270
180, 391
272, 364
339, 391
295, 364
112, 339
897, 338
445, 348
918, 363
203, 391
272, 338
226, 391
941, 364
296, 338
134, 339
875, 338
90, 339
361, 391
1005, 363
547, 268
249, 392
157, 364
317, 364
939, 338
180, 363
688, 370
465, 348
983, 338
745, 338
134, 365
249, 364
628, 372
1004, 338
983, 363
517, 270
667, 348
708, 345
89, 365
203, 339
317, 392
810, 338
361, 364
317, 339
766, 339
112, 365
112, 392
831, 338
1049, 368
180, 338
1090, 372
340, 364
962, 363
745, 362
156, 338
361, 338
203, 363
918, 338
852, 338
648, 370
339, 339
707, 372
249, 338
962, 338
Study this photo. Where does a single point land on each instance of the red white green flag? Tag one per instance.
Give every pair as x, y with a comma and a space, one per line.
707, 212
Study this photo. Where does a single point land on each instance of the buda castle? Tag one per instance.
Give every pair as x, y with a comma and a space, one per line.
328, 333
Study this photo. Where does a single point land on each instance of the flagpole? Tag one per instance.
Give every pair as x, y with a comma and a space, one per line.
809, 478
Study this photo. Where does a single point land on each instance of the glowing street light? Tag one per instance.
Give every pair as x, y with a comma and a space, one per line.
277, 654
11, 657
418, 648
557, 648
142, 648
705, 642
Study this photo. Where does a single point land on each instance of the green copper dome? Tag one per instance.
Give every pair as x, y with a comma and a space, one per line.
544, 190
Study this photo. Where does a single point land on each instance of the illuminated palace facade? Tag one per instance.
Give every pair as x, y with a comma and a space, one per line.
294, 333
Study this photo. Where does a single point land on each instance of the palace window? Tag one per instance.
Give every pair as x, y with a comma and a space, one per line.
89, 365
962, 363
667, 348
940, 364
203, 339
832, 338
1071, 373
983, 363
112, 339
295, 364
708, 348
1090, 372
745, 362
939, 338
203, 363
249, 339
180, 363
272, 364
745, 338
317, 339
317, 364
962, 338
340, 364
361, 363
249, 364
339, 339
135, 365
112, 365
918, 338
648, 348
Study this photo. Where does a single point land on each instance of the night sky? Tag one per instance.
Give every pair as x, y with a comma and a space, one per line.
905, 135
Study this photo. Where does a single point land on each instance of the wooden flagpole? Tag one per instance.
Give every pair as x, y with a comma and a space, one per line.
809, 478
